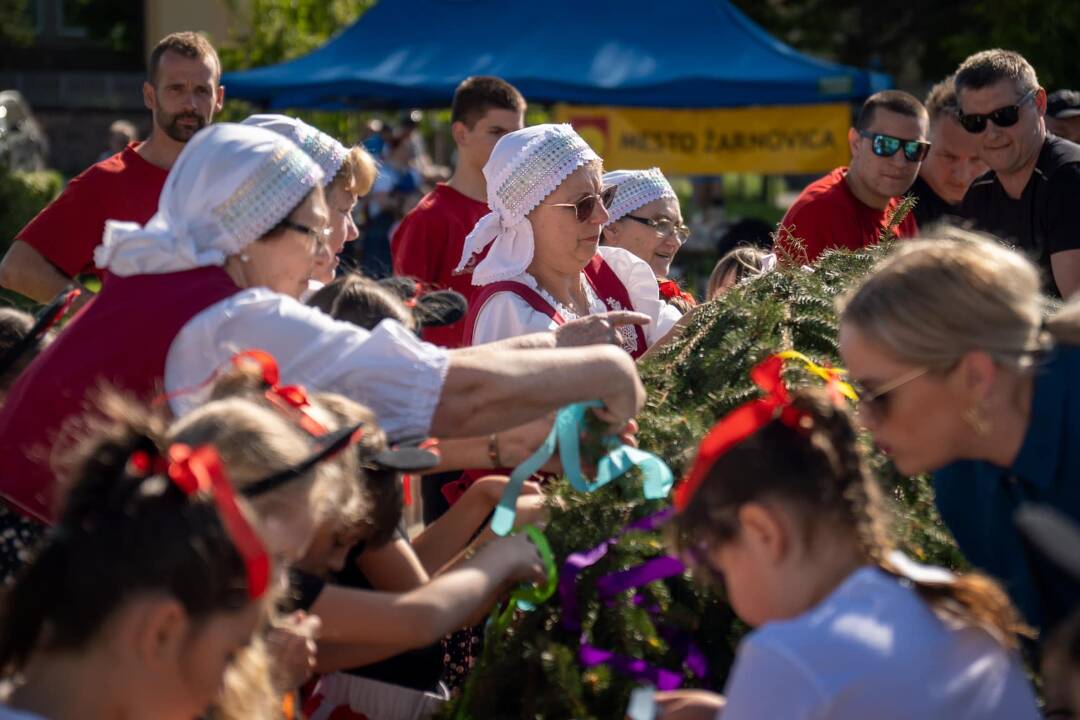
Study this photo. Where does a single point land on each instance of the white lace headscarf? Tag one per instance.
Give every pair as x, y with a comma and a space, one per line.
635, 189
327, 152
230, 185
525, 167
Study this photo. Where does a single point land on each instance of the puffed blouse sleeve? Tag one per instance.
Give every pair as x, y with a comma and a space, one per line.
390, 370
640, 283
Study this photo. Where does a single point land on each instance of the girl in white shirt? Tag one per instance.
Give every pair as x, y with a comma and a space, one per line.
791, 522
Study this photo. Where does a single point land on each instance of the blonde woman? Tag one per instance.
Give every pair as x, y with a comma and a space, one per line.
961, 376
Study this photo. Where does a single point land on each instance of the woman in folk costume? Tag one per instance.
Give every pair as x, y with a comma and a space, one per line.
348, 174
240, 224
645, 218
544, 264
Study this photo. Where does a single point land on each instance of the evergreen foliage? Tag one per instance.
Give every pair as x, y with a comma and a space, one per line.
533, 670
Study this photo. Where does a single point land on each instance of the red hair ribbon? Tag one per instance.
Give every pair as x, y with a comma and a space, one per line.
741, 423
291, 399
201, 470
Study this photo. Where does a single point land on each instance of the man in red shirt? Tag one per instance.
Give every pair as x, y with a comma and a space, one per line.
849, 207
429, 241
183, 92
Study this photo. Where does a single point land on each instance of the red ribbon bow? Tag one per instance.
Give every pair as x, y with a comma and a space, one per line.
741, 423
291, 399
200, 470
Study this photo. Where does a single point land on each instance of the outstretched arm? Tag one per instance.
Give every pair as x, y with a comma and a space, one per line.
486, 392
364, 626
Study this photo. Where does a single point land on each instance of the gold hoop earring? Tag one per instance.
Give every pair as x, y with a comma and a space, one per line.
975, 418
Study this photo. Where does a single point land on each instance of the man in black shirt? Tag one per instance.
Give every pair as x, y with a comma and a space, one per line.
952, 164
1031, 195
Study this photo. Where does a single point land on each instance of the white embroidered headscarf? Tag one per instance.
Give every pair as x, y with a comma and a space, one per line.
636, 188
524, 168
327, 152
230, 185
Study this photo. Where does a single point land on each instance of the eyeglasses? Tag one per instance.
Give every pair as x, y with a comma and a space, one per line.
887, 145
320, 237
1003, 117
877, 401
583, 208
664, 227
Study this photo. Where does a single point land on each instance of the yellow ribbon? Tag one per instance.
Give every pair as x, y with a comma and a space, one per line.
830, 375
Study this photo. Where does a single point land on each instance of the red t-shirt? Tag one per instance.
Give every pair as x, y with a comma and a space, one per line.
123, 187
828, 215
428, 244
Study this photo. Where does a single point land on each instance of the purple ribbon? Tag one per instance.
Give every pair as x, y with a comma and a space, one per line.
643, 574
611, 585
635, 668
575, 563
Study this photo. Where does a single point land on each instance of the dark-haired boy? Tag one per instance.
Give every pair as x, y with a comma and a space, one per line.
429, 241
849, 207
183, 91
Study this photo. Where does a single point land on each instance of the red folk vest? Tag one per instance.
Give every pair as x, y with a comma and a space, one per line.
605, 283
121, 338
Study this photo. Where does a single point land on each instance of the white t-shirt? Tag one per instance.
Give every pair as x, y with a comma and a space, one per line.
388, 369
506, 314
874, 649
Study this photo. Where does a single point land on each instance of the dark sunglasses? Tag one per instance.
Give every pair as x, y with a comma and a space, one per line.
583, 208
887, 146
877, 401
1003, 117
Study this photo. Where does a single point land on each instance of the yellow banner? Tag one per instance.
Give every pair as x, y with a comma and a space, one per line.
787, 139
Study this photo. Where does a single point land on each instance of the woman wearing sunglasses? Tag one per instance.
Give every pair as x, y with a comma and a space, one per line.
537, 254
962, 377
645, 218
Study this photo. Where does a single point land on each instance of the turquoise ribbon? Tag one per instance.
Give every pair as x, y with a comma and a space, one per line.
565, 435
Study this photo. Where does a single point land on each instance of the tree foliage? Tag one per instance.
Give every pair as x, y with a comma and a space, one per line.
274, 31
533, 670
924, 38
279, 30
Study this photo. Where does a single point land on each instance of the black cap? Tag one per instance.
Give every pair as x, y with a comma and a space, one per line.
1063, 104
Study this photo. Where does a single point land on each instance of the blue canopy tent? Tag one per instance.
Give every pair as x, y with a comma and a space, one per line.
644, 53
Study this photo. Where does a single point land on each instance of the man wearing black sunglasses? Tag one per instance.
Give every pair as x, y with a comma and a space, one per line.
850, 207
1030, 195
